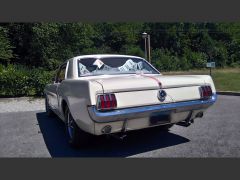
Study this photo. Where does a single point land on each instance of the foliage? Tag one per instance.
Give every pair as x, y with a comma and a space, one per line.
49, 44
42, 47
5, 47
21, 81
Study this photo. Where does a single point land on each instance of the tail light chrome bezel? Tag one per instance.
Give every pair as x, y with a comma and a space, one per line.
205, 92
106, 102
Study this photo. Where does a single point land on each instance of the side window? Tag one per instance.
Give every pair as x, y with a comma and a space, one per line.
61, 74
69, 70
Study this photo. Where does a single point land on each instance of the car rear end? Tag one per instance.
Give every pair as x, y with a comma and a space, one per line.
136, 102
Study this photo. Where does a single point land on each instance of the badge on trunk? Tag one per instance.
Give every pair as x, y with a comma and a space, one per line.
162, 95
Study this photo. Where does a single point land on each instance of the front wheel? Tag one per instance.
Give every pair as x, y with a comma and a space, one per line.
76, 136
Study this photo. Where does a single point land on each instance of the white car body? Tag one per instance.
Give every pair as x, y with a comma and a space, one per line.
137, 98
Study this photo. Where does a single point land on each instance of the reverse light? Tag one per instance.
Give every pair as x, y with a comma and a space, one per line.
106, 102
205, 92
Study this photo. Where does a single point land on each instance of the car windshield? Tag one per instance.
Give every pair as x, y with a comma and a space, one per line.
113, 65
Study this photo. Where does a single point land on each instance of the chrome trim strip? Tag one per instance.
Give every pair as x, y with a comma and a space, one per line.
144, 111
148, 88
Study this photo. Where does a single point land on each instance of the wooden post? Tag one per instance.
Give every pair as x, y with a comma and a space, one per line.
145, 50
149, 47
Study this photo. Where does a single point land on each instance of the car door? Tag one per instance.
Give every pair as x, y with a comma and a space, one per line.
55, 87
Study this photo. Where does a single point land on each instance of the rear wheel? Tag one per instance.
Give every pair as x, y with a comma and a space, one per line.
49, 112
76, 137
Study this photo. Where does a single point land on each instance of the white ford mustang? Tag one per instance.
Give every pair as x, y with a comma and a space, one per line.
112, 94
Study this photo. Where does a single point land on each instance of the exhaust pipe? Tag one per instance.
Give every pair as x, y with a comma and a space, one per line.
190, 120
199, 115
122, 134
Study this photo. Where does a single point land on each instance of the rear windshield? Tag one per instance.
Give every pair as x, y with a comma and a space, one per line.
113, 65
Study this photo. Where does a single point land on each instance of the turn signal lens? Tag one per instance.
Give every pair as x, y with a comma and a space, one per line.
106, 102
205, 92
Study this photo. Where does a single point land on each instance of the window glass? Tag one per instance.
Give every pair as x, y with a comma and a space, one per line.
113, 65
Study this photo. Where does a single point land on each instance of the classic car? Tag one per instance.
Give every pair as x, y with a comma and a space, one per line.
108, 94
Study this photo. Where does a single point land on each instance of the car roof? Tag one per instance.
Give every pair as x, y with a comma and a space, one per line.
104, 56
98, 56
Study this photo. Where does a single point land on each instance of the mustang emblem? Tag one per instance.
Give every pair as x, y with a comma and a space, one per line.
162, 95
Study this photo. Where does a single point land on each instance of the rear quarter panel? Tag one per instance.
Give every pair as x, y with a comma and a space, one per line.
79, 94
207, 79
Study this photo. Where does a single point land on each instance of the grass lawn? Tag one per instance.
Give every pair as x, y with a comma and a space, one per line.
225, 79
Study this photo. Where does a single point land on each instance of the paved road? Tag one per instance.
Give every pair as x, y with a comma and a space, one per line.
33, 134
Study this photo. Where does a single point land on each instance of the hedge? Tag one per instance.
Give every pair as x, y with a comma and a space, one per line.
17, 80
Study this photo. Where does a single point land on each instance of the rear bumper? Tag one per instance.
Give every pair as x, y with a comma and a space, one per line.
145, 111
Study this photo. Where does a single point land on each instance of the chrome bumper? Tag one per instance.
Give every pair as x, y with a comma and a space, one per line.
145, 111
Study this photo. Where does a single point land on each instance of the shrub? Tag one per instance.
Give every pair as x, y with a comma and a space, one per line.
221, 55
235, 65
164, 60
195, 59
134, 50
21, 81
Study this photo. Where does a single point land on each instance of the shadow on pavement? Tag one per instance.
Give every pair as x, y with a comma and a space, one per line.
53, 131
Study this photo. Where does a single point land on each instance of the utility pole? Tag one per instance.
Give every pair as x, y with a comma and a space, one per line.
145, 48
144, 36
149, 48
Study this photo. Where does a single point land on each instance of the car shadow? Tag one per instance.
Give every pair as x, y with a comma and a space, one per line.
53, 131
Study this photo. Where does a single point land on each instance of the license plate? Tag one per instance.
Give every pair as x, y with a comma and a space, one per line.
160, 118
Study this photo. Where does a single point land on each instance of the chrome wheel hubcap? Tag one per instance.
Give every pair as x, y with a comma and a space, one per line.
70, 127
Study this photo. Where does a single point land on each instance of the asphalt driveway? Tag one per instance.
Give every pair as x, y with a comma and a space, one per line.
26, 131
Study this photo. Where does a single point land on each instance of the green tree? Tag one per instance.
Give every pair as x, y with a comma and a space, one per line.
5, 47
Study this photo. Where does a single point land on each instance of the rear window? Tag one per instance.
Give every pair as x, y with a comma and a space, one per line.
113, 65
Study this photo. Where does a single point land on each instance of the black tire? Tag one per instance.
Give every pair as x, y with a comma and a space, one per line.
76, 137
49, 112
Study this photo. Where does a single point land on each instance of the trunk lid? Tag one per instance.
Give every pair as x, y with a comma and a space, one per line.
113, 83
139, 90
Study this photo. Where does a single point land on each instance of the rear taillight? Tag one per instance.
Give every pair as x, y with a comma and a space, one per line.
106, 102
205, 92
